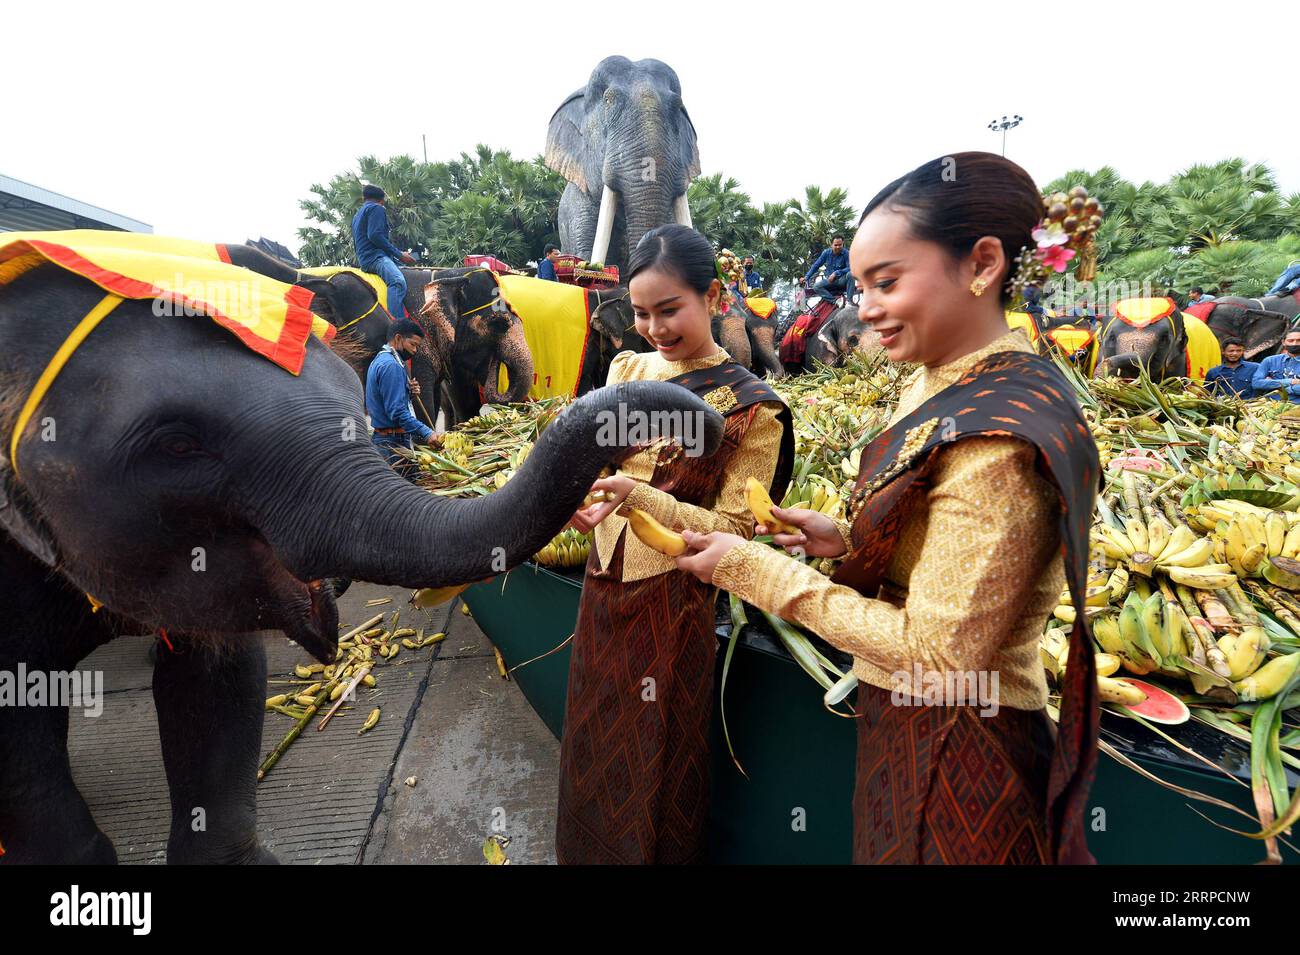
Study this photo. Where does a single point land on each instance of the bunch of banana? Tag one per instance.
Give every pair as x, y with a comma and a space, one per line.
815, 493
569, 548
1054, 651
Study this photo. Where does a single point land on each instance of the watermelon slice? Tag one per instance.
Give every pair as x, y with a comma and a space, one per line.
1160, 706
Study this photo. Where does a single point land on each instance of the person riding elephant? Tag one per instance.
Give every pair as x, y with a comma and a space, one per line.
1287, 283
1153, 334
836, 280
209, 512
375, 250
628, 149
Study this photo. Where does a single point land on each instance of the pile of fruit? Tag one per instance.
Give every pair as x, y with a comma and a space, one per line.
312, 686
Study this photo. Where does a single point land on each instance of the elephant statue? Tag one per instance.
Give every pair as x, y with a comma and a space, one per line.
1259, 324
627, 147
1152, 333
262, 481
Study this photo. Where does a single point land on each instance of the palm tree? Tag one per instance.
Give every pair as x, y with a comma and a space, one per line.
723, 213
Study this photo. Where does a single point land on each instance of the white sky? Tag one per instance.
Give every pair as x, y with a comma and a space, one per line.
211, 121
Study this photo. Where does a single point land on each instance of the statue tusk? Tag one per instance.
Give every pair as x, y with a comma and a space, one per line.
682, 211
604, 225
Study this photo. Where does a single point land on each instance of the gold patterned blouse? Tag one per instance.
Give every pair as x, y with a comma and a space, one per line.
976, 571
756, 456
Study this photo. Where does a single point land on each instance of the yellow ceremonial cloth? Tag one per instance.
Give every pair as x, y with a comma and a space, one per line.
270, 317
762, 307
556, 324
371, 279
1202, 348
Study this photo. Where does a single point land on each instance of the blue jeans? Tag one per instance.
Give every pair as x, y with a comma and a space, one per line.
1288, 282
830, 290
387, 270
386, 443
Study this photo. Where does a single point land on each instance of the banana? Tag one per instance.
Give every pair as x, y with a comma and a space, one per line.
1105, 630
1255, 530
1282, 572
1117, 691
1182, 538
1137, 533
1107, 663
1135, 657
1268, 680
1276, 529
1065, 613
1244, 652
760, 505
371, 721
1194, 555
1253, 557
1118, 584
1118, 539
1158, 534
655, 535
1291, 546
1206, 577
1154, 625
433, 596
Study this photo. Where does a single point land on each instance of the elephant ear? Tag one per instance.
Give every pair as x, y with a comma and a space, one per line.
690, 146
567, 151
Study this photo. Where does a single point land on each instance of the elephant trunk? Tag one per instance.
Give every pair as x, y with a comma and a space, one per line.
1122, 364
388, 531
513, 352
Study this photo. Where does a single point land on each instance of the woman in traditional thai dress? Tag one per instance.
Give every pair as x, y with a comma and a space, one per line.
634, 760
970, 514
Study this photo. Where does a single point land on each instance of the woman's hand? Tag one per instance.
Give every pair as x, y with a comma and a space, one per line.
616, 487
817, 537
706, 551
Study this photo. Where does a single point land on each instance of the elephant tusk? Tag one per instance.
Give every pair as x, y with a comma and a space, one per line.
604, 225
682, 211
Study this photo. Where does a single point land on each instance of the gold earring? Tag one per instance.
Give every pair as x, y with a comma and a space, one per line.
978, 286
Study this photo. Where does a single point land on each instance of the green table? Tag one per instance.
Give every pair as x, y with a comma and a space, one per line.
795, 805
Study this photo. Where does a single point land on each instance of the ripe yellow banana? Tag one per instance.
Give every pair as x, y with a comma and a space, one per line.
1118, 584
1194, 555
1158, 534
1179, 540
1117, 691
1253, 557
1107, 663
1244, 652
760, 505
1269, 679
1154, 625
1206, 577
1275, 527
434, 596
1137, 533
655, 535
1291, 546
1136, 658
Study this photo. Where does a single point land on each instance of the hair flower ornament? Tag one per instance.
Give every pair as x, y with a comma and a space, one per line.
1067, 231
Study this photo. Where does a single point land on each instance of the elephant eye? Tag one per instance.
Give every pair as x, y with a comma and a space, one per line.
179, 444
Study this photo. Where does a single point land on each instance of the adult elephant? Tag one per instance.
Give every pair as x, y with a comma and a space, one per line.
627, 147
1259, 324
841, 334
1152, 333
754, 336
258, 482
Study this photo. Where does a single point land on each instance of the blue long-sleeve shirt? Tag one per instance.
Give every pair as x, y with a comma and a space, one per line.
1273, 371
546, 270
388, 398
370, 235
1227, 380
836, 265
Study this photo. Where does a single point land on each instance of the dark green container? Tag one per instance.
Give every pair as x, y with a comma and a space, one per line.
795, 805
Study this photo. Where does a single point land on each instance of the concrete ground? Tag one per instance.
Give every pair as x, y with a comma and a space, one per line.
482, 761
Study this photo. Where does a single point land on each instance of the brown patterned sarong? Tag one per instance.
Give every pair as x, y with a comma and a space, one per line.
634, 760
944, 785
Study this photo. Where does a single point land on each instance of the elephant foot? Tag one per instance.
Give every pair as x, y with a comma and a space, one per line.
94, 849
197, 850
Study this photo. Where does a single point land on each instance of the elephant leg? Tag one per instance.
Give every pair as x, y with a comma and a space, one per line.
43, 817
210, 703
736, 340
762, 340
577, 216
